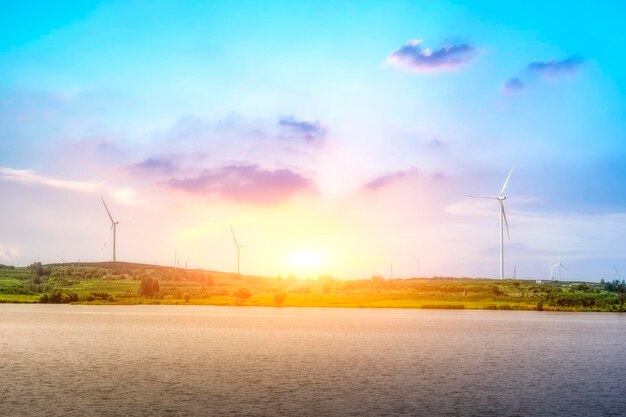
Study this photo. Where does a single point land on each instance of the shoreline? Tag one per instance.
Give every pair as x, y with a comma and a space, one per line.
488, 307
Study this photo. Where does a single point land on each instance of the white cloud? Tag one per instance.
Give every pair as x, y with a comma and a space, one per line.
27, 176
8, 253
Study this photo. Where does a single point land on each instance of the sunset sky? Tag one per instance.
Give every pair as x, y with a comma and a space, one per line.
336, 137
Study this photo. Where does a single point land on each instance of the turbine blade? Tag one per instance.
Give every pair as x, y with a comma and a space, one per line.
505, 221
564, 267
506, 182
107, 209
234, 238
480, 196
616, 272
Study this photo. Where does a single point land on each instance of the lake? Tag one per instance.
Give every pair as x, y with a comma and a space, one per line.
67, 360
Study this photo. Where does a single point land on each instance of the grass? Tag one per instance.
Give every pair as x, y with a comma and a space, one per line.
118, 283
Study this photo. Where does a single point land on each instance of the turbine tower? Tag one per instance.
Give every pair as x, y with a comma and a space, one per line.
238, 246
503, 222
113, 226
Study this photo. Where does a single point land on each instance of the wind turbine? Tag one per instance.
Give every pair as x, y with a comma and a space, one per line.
557, 265
619, 277
503, 222
238, 246
113, 226
417, 264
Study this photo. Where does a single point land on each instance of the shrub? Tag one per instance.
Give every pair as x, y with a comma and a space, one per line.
443, 306
148, 287
59, 297
279, 298
241, 295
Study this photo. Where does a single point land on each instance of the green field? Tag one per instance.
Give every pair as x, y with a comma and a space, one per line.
126, 283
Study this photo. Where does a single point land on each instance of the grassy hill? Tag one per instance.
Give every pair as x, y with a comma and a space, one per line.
126, 283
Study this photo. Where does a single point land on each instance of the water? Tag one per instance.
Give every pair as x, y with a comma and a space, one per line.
61, 360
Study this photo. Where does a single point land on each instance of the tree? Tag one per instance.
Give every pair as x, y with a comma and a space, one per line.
280, 297
241, 295
621, 290
148, 287
496, 290
208, 280
37, 269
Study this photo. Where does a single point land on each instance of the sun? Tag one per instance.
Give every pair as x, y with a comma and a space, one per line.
305, 259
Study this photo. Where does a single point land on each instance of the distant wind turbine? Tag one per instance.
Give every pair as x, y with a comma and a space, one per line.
557, 265
619, 277
417, 264
238, 246
113, 226
503, 222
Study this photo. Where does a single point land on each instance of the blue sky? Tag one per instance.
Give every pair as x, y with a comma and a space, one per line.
279, 117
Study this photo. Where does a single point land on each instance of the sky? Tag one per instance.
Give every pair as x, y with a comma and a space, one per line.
337, 138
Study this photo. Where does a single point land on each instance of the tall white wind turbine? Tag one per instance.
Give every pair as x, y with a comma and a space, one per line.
113, 226
238, 246
619, 277
557, 265
503, 222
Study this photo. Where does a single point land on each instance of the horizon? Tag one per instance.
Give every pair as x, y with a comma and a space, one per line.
336, 140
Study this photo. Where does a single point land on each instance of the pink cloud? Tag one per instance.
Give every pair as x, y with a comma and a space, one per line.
246, 183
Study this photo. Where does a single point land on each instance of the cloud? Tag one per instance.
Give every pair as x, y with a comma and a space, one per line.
8, 253
193, 143
549, 70
246, 183
163, 165
448, 57
311, 130
513, 86
435, 143
388, 179
554, 68
26, 176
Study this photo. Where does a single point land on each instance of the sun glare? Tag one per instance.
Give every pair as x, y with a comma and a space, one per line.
305, 259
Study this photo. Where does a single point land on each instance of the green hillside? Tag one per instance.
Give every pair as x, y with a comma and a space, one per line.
132, 283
